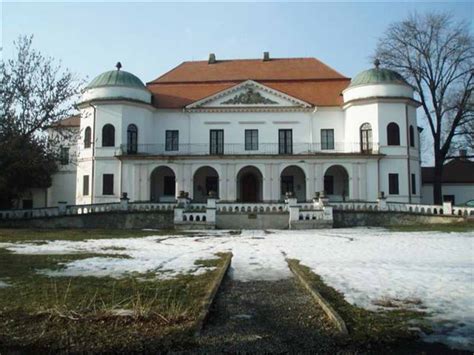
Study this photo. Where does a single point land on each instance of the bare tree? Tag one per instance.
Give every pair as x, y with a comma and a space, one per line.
35, 93
435, 54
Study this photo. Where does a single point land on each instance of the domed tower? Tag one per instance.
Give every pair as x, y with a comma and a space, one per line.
380, 118
117, 84
115, 113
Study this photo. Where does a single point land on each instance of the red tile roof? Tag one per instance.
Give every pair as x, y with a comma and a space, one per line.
307, 79
72, 121
457, 171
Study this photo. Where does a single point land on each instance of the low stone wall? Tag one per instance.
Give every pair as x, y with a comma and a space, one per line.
106, 220
260, 220
311, 224
343, 219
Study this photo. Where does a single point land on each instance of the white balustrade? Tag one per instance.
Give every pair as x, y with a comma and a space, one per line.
196, 212
355, 206
307, 215
251, 207
194, 217
151, 206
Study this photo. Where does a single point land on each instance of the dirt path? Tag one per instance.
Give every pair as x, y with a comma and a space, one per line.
265, 316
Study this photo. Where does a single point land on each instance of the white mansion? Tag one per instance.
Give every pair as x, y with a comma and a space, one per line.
248, 130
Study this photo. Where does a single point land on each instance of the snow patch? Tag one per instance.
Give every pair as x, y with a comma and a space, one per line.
365, 264
4, 284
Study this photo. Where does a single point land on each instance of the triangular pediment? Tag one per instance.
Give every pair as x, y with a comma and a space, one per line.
248, 94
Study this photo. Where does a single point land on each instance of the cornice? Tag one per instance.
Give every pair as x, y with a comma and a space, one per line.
379, 99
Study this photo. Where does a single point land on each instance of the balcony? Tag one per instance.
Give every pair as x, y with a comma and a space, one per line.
203, 149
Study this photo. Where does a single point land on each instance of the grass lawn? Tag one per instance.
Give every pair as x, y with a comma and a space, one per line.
137, 312
23, 235
366, 328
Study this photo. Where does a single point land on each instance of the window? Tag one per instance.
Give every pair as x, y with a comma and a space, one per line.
132, 139
413, 184
216, 141
169, 186
412, 137
393, 184
108, 184
87, 137
366, 138
393, 134
327, 139
108, 136
172, 140
329, 184
287, 184
449, 198
285, 141
85, 185
251, 139
64, 156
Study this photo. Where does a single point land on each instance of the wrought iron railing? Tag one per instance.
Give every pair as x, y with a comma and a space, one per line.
240, 149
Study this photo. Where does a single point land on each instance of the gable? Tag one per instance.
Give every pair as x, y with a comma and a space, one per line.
249, 94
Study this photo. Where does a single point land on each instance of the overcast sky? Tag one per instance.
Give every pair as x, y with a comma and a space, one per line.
152, 38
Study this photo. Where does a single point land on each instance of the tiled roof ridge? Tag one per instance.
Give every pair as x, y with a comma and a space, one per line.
248, 60
236, 81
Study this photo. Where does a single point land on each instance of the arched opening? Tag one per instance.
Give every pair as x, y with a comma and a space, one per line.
162, 185
108, 136
412, 137
293, 179
393, 134
249, 184
336, 183
366, 138
132, 139
205, 180
87, 137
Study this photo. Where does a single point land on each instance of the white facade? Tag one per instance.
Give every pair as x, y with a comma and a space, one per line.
152, 168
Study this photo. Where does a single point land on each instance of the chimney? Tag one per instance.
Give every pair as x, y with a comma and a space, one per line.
462, 154
266, 56
212, 58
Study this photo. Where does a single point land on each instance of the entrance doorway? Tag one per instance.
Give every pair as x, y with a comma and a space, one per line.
249, 185
205, 180
249, 188
162, 185
336, 183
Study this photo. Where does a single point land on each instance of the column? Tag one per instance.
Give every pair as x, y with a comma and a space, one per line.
267, 182
363, 181
186, 183
318, 177
354, 182
310, 183
275, 182
231, 182
179, 179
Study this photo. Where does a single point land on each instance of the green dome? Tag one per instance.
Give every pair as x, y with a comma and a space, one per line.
378, 76
116, 78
